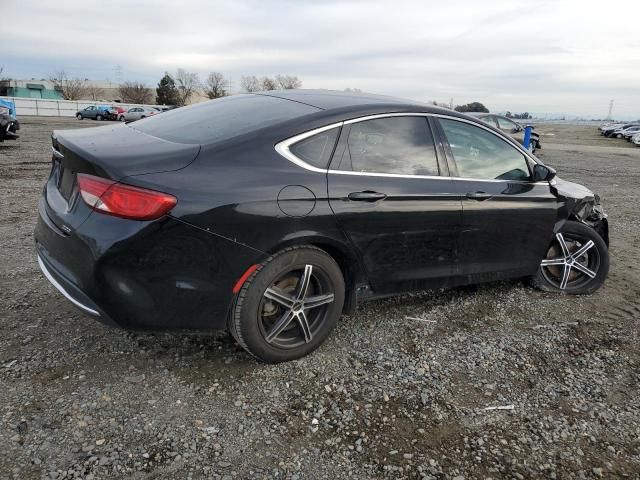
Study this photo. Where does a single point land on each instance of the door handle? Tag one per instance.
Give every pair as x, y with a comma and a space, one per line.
479, 196
366, 196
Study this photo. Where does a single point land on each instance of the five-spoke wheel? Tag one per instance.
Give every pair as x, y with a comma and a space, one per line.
577, 261
290, 304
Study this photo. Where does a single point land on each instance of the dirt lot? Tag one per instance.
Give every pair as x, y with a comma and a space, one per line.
385, 397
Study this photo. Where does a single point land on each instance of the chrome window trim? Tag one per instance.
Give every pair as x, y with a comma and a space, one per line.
283, 149
61, 289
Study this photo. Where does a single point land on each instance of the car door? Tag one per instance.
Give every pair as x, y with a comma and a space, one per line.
90, 112
133, 114
507, 218
392, 198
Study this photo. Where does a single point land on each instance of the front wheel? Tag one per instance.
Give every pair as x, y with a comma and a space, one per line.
577, 261
289, 305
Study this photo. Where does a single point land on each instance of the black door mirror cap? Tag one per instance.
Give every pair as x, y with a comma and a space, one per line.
543, 173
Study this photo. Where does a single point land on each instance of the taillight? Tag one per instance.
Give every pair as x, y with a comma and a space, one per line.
126, 201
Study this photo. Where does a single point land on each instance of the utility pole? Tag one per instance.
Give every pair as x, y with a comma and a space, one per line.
610, 110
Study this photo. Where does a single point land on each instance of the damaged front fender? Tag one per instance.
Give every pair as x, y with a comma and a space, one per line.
582, 205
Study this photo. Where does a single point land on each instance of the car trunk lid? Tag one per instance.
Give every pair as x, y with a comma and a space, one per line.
112, 152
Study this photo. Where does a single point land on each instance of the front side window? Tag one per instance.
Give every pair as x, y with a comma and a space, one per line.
395, 145
490, 120
507, 125
483, 155
317, 149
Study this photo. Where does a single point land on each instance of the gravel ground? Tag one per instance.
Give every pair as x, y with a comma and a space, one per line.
386, 396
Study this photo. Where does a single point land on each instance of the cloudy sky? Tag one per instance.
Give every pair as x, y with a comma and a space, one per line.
565, 56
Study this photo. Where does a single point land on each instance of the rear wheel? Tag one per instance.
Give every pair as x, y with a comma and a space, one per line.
121, 118
99, 118
577, 261
79, 116
288, 307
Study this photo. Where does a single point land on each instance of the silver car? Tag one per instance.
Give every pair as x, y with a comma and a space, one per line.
136, 113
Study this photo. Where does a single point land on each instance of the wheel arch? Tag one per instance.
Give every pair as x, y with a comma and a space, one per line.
343, 255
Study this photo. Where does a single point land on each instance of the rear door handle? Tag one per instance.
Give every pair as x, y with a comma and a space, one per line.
367, 196
479, 196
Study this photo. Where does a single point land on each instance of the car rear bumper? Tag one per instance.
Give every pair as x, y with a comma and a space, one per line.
164, 275
71, 292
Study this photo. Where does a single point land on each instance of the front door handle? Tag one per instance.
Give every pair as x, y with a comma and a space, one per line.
479, 196
367, 196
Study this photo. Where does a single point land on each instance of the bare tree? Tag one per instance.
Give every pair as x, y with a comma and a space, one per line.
70, 88
215, 86
268, 83
287, 82
135, 92
250, 83
94, 93
187, 84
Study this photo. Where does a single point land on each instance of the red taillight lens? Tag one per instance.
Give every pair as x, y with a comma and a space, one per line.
124, 201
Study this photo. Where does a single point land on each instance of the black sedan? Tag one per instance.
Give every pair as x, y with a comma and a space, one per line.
272, 214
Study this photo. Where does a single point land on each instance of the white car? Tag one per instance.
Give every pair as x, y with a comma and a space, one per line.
136, 113
636, 139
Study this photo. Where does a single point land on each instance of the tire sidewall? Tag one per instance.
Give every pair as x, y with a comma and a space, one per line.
246, 328
589, 233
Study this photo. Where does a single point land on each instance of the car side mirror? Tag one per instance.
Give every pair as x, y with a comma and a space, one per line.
542, 173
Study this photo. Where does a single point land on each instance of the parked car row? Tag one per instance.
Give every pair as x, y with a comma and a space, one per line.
122, 114
511, 128
627, 131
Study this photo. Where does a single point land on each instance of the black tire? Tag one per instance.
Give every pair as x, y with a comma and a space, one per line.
99, 118
550, 277
122, 119
79, 116
254, 316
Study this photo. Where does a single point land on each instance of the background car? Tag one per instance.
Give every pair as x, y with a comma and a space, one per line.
619, 132
609, 129
630, 132
510, 127
9, 124
136, 113
94, 112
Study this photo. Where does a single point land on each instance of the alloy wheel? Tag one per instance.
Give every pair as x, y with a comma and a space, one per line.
571, 262
294, 307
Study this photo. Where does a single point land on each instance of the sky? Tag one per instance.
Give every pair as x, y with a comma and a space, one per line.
562, 56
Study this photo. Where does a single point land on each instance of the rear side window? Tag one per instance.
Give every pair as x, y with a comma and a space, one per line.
395, 145
221, 119
481, 154
317, 149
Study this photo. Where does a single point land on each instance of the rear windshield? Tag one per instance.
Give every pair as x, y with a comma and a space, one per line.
221, 119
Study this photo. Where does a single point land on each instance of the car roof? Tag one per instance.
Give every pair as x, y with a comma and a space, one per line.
335, 99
